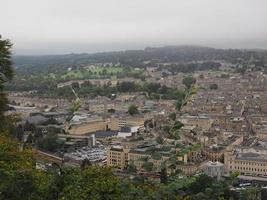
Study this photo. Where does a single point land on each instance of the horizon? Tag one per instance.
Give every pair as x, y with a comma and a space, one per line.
141, 49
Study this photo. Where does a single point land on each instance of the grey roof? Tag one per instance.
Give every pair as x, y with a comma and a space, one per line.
37, 119
251, 157
103, 134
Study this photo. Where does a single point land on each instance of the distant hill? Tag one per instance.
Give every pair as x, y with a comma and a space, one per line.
134, 58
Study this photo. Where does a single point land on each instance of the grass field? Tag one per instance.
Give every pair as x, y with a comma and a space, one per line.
109, 70
93, 72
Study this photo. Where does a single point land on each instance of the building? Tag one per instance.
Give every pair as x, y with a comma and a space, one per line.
214, 169
86, 125
117, 156
143, 160
121, 156
199, 121
249, 158
128, 131
73, 142
117, 122
249, 163
189, 169
214, 153
100, 106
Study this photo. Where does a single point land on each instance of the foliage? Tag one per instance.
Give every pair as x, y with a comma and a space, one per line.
188, 81
49, 142
201, 76
133, 110
225, 76
178, 105
163, 175
213, 86
91, 183
156, 156
159, 140
148, 166
172, 116
131, 168
177, 125
75, 106
6, 74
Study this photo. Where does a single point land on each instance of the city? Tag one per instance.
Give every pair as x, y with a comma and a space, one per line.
174, 121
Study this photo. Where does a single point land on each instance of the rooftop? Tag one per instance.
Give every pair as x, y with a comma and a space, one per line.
251, 157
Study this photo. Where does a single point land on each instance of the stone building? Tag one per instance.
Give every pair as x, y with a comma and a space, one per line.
214, 169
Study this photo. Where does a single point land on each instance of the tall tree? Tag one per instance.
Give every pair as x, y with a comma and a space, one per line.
6, 74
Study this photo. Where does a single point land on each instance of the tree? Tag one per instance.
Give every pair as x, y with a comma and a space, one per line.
133, 110
188, 81
131, 168
30, 139
75, 106
148, 166
85, 163
93, 182
14, 161
163, 175
49, 142
148, 123
177, 125
172, 116
6, 74
166, 129
202, 182
159, 140
201, 76
213, 86
178, 105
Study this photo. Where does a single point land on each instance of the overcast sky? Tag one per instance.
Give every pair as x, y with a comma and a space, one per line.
72, 26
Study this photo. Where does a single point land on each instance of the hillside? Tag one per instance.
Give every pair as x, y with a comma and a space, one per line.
134, 58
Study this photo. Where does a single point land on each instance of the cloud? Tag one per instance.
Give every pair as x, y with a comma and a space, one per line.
64, 26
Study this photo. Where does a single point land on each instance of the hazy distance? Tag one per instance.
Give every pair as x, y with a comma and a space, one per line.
75, 26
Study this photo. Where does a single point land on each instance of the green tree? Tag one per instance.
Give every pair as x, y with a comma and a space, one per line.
172, 116
131, 168
178, 105
75, 106
177, 125
93, 182
159, 140
85, 163
188, 81
133, 110
213, 86
201, 76
49, 142
13, 161
148, 166
6, 74
163, 175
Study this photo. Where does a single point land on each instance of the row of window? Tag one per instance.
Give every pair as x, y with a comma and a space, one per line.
249, 163
249, 168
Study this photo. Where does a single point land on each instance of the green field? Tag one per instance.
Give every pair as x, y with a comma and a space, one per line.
95, 72
109, 70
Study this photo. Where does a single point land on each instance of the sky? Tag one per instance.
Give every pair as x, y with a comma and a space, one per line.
77, 26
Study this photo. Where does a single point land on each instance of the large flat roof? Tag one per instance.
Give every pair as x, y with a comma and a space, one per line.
252, 157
